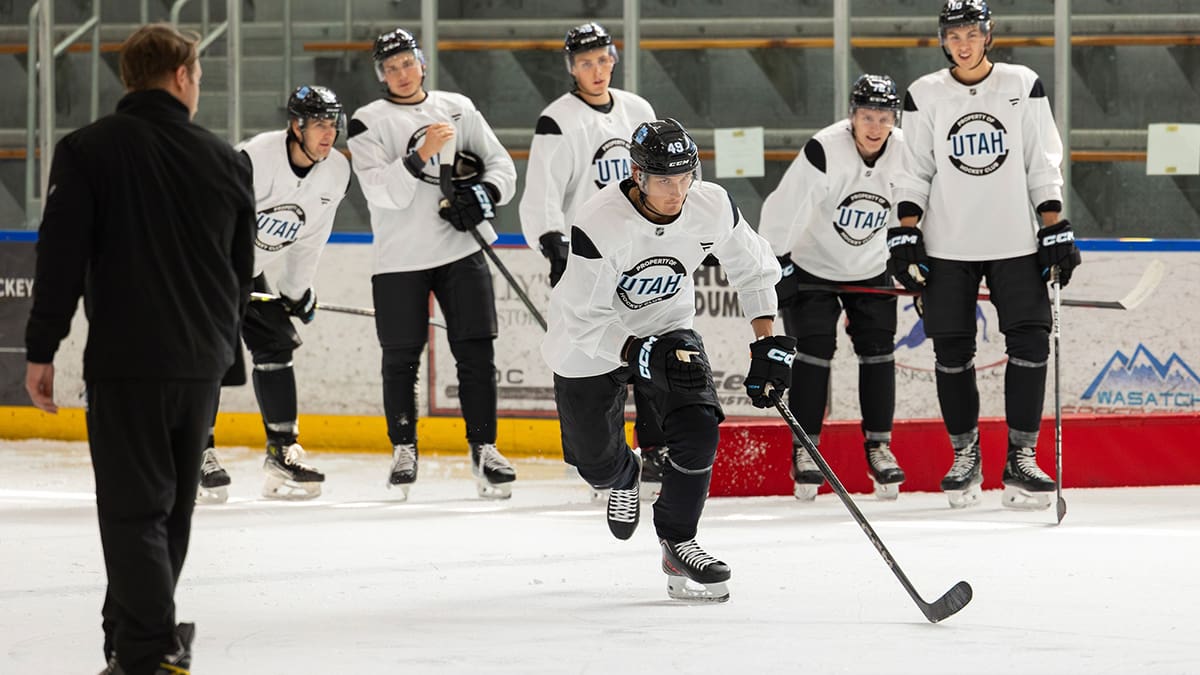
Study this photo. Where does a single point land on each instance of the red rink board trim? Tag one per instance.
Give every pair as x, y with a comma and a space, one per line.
1098, 451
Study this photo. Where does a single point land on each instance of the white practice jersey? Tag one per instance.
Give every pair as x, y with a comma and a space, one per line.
403, 194
831, 211
577, 149
980, 158
295, 215
629, 276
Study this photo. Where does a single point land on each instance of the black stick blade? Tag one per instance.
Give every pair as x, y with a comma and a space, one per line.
955, 599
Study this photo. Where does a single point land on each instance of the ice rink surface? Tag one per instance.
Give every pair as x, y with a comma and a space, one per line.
355, 582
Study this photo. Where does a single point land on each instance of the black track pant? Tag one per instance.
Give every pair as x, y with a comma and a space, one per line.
146, 438
463, 289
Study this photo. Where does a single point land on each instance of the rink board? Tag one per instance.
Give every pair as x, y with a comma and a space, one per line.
1098, 451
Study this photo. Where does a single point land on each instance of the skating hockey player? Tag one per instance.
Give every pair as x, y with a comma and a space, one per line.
623, 311
580, 145
983, 157
299, 181
420, 247
827, 222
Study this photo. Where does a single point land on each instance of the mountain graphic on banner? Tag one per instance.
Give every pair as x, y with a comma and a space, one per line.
1144, 371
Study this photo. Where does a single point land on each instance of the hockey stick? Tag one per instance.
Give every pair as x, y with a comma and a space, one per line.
341, 309
1150, 280
446, 182
1061, 503
954, 599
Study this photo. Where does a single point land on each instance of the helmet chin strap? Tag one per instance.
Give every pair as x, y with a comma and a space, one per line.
299, 139
646, 205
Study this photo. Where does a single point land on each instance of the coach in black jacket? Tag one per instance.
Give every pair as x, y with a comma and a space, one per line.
151, 218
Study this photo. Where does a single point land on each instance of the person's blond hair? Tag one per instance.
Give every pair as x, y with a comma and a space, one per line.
154, 52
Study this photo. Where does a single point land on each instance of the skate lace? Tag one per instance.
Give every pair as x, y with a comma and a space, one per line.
964, 461
623, 505
404, 457
804, 462
880, 456
1026, 461
293, 456
210, 464
692, 555
490, 457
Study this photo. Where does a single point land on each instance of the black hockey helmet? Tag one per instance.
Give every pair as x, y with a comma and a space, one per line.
874, 91
391, 43
311, 102
664, 148
587, 37
965, 13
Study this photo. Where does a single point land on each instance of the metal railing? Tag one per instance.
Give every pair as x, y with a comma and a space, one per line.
43, 51
231, 28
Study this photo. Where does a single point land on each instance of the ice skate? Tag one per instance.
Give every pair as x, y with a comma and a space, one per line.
961, 483
692, 574
1026, 486
493, 474
288, 477
624, 507
654, 459
214, 480
404, 468
806, 474
885, 473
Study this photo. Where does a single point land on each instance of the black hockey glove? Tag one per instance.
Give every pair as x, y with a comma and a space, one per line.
907, 262
304, 309
556, 247
1056, 248
789, 284
470, 207
770, 368
672, 362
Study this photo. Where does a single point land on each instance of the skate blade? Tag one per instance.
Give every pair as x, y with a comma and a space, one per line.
402, 487
488, 490
215, 495
682, 588
887, 492
806, 492
1024, 500
600, 496
287, 490
650, 491
961, 499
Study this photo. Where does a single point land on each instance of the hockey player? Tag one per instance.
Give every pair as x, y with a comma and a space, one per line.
298, 184
623, 311
983, 156
580, 145
826, 221
395, 143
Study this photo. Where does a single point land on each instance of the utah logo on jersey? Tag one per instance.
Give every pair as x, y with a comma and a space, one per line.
978, 144
860, 217
651, 281
279, 226
611, 169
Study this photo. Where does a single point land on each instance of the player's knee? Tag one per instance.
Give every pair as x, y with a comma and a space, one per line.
401, 361
1028, 344
818, 348
692, 434
272, 360
873, 345
954, 352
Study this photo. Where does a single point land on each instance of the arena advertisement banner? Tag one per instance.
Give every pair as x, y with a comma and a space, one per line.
17, 261
1133, 362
